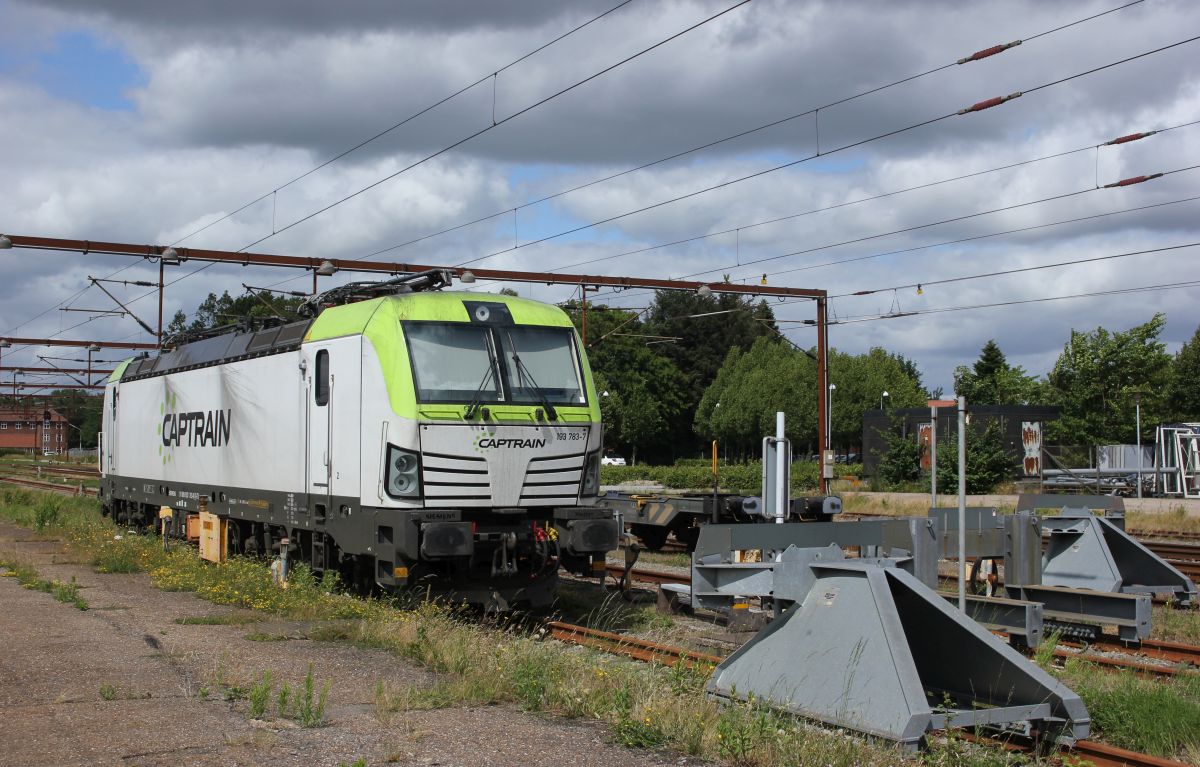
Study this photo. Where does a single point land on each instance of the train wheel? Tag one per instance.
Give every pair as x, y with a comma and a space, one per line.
688, 537
653, 537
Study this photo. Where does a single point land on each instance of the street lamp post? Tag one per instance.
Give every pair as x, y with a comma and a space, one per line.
881, 398
76, 428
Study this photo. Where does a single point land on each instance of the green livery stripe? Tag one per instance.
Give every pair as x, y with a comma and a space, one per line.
119, 371
379, 320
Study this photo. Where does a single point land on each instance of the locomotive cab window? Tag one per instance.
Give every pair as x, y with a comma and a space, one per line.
451, 362
321, 389
526, 365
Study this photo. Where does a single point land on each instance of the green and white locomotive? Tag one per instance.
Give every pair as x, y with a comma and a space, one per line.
403, 435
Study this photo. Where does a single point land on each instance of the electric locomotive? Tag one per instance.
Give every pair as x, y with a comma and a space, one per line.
400, 435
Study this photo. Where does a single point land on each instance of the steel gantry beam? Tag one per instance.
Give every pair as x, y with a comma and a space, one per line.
38, 386
156, 252
12, 369
65, 342
323, 266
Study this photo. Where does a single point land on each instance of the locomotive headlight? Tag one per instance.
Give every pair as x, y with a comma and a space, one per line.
403, 479
591, 475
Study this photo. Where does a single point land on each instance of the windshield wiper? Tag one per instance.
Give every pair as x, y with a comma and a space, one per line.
523, 373
475, 399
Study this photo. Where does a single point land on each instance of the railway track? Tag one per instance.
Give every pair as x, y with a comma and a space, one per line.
1184, 659
1098, 754
1166, 535
630, 647
37, 484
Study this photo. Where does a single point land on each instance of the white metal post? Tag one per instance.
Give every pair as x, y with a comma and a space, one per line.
781, 468
962, 503
933, 457
1137, 402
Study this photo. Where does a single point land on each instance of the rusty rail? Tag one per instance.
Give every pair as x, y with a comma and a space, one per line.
645, 575
74, 490
631, 647
1099, 754
1104, 755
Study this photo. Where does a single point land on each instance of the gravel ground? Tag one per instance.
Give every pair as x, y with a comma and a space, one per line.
167, 708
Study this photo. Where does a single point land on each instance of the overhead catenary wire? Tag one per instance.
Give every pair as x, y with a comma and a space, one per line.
497, 123
1018, 270
927, 225
848, 203
917, 227
425, 110
517, 246
476, 134
725, 139
1015, 302
808, 158
1046, 85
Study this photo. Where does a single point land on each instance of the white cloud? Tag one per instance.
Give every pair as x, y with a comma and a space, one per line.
225, 117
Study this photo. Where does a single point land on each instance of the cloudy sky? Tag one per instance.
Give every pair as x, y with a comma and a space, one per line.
143, 121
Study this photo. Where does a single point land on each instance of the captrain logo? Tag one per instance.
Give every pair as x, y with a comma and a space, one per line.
196, 428
489, 441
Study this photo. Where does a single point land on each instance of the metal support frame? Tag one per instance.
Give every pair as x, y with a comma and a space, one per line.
1086, 551
1016, 538
869, 647
585, 281
1081, 612
65, 342
911, 543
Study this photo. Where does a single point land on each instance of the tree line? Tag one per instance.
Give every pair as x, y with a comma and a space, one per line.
690, 368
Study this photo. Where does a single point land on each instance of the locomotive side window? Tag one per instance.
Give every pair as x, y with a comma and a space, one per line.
321, 391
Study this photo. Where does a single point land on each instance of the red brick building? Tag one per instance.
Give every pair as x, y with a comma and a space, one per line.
33, 430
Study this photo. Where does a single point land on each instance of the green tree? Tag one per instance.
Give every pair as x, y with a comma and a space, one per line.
706, 328
739, 407
1183, 393
82, 412
216, 311
861, 380
1096, 377
902, 461
992, 381
646, 393
988, 462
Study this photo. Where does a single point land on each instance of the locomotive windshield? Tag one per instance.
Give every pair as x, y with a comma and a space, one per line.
525, 365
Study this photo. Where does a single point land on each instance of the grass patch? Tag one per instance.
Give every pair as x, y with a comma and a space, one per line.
223, 619
1139, 713
1176, 520
260, 696
27, 576
1174, 625
114, 558
108, 692
263, 636
304, 705
476, 662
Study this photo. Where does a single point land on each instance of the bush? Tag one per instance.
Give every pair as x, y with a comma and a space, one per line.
902, 461
988, 463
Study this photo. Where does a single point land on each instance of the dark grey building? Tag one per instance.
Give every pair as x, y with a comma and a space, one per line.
1022, 426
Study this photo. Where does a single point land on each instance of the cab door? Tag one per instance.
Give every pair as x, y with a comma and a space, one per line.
319, 465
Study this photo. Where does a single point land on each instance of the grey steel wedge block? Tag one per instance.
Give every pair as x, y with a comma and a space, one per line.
872, 649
